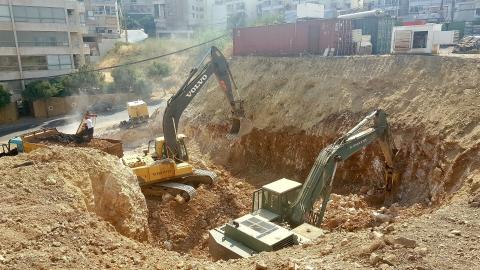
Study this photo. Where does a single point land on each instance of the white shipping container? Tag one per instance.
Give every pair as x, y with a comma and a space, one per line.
310, 10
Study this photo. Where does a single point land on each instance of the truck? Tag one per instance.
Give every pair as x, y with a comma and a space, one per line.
283, 211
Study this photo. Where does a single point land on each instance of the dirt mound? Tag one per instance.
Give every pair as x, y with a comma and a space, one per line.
90, 180
184, 227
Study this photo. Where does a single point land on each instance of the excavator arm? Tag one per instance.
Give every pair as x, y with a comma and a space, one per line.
318, 184
197, 78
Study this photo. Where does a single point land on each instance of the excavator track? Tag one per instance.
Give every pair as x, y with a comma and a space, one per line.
183, 186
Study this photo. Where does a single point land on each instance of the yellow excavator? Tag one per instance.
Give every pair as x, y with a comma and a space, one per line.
166, 169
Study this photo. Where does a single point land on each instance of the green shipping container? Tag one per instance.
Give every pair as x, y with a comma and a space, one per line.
380, 29
459, 26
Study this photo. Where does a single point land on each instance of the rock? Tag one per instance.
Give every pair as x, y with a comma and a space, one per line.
421, 251
344, 242
370, 192
377, 234
374, 258
406, 242
456, 232
166, 197
2, 259
375, 245
384, 266
292, 266
239, 184
364, 189
50, 181
389, 259
381, 218
56, 244
180, 199
180, 264
390, 228
260, 265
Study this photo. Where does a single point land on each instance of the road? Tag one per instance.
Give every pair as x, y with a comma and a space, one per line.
67, 124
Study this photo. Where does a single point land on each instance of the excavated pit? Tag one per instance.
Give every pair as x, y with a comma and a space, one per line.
299, 106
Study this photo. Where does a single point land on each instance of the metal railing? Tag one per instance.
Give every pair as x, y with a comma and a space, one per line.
40, 20
43, 44
47, 67
7, 43
9, 68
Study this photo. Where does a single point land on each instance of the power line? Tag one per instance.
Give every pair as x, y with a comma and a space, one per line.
124, 64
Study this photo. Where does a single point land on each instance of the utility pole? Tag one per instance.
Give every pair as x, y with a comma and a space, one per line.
124, 20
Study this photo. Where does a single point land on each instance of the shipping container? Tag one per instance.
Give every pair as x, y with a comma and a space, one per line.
324, 37
380, 30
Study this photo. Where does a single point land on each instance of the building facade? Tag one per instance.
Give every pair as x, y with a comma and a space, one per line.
178, 18
40, 39
467, 10
103, 26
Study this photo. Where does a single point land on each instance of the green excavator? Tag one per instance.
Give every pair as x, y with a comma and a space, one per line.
284, 204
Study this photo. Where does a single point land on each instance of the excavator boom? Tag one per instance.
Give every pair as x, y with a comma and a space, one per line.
318, 184
196, 80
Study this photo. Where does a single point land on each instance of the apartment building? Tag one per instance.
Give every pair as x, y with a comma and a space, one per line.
430, 10
178, 18
467, 10
103, 26
238, 12
394, 8
138, 7
40, 38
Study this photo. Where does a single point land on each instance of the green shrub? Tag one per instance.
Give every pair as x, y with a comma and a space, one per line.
128, 80
39, 90
84, 81
159, 70
4, 96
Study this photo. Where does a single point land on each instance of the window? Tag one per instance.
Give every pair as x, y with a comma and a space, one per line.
56, 62
477, 12
4, 14
420, 39
44, 38
8, 63
99, 10
39, 14
7, 39
34, 63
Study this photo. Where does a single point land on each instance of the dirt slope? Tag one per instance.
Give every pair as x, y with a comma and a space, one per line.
300, 105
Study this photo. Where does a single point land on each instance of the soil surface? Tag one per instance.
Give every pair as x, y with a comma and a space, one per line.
66, 207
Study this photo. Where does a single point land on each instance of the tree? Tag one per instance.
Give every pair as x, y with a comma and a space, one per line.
158, 69
128, 80
269, 19
39, 90
4, 96
84, 81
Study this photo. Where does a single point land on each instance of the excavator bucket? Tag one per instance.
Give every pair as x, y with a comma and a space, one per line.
240, 124
240, 127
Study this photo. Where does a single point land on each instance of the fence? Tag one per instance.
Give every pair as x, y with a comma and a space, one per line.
8, 114
56, 106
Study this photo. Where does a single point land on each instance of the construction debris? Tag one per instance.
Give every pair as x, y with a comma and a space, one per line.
468, 44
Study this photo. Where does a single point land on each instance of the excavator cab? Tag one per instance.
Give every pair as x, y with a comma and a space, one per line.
276, 197
161, 148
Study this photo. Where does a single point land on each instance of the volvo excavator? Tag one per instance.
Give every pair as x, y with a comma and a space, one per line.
166, 169
286, 204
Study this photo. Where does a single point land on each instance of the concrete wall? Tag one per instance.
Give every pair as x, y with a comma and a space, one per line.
57, 106
8, 114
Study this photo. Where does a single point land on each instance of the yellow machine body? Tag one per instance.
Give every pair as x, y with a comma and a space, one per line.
137, 109
158, 167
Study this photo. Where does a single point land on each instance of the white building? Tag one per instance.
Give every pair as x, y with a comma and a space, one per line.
40, 38
467, 10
